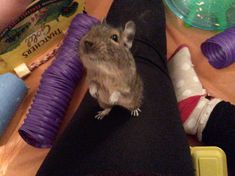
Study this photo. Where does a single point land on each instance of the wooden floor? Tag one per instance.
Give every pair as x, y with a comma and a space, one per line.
17, 156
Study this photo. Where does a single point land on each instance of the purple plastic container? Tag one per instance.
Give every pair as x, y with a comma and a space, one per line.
56, 88
220, 49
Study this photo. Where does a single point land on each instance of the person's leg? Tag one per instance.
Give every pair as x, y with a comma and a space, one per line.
211, 119
220, 130
153, 143
194, 104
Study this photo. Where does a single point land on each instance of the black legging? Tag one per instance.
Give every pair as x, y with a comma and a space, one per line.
220, 130
153, 143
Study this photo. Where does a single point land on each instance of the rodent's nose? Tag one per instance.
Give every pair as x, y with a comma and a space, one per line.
88, 44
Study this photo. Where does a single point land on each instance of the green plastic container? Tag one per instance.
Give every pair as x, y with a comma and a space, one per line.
205, 14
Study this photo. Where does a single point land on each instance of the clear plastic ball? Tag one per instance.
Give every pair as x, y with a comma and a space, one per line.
204, 14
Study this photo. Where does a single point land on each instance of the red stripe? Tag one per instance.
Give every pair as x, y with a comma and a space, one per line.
187, 106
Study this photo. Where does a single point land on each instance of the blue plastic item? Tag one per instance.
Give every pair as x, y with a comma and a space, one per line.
205, 14
12, 92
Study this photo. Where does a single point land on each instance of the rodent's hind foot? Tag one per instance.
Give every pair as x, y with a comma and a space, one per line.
103, 113
136, 112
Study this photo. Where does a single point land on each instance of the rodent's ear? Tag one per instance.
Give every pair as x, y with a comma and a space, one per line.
129, 34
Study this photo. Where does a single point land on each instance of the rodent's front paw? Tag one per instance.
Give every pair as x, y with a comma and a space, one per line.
136, 112
113, 99
93, 91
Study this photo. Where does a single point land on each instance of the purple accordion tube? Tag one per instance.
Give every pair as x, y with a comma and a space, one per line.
57, 85
220, 49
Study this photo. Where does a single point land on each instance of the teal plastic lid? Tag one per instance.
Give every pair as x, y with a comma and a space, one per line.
204, 14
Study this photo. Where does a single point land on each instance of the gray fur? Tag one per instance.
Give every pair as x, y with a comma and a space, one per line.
111, 67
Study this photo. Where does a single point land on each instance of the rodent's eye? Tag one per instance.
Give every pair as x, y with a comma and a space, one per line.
114, 37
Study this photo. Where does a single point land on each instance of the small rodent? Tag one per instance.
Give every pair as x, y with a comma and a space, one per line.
111, 69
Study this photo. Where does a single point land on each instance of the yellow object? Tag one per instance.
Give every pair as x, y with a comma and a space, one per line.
22, 70
209, 161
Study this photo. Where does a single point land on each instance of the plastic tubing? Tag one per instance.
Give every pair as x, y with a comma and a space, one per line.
220, 49
57, 85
